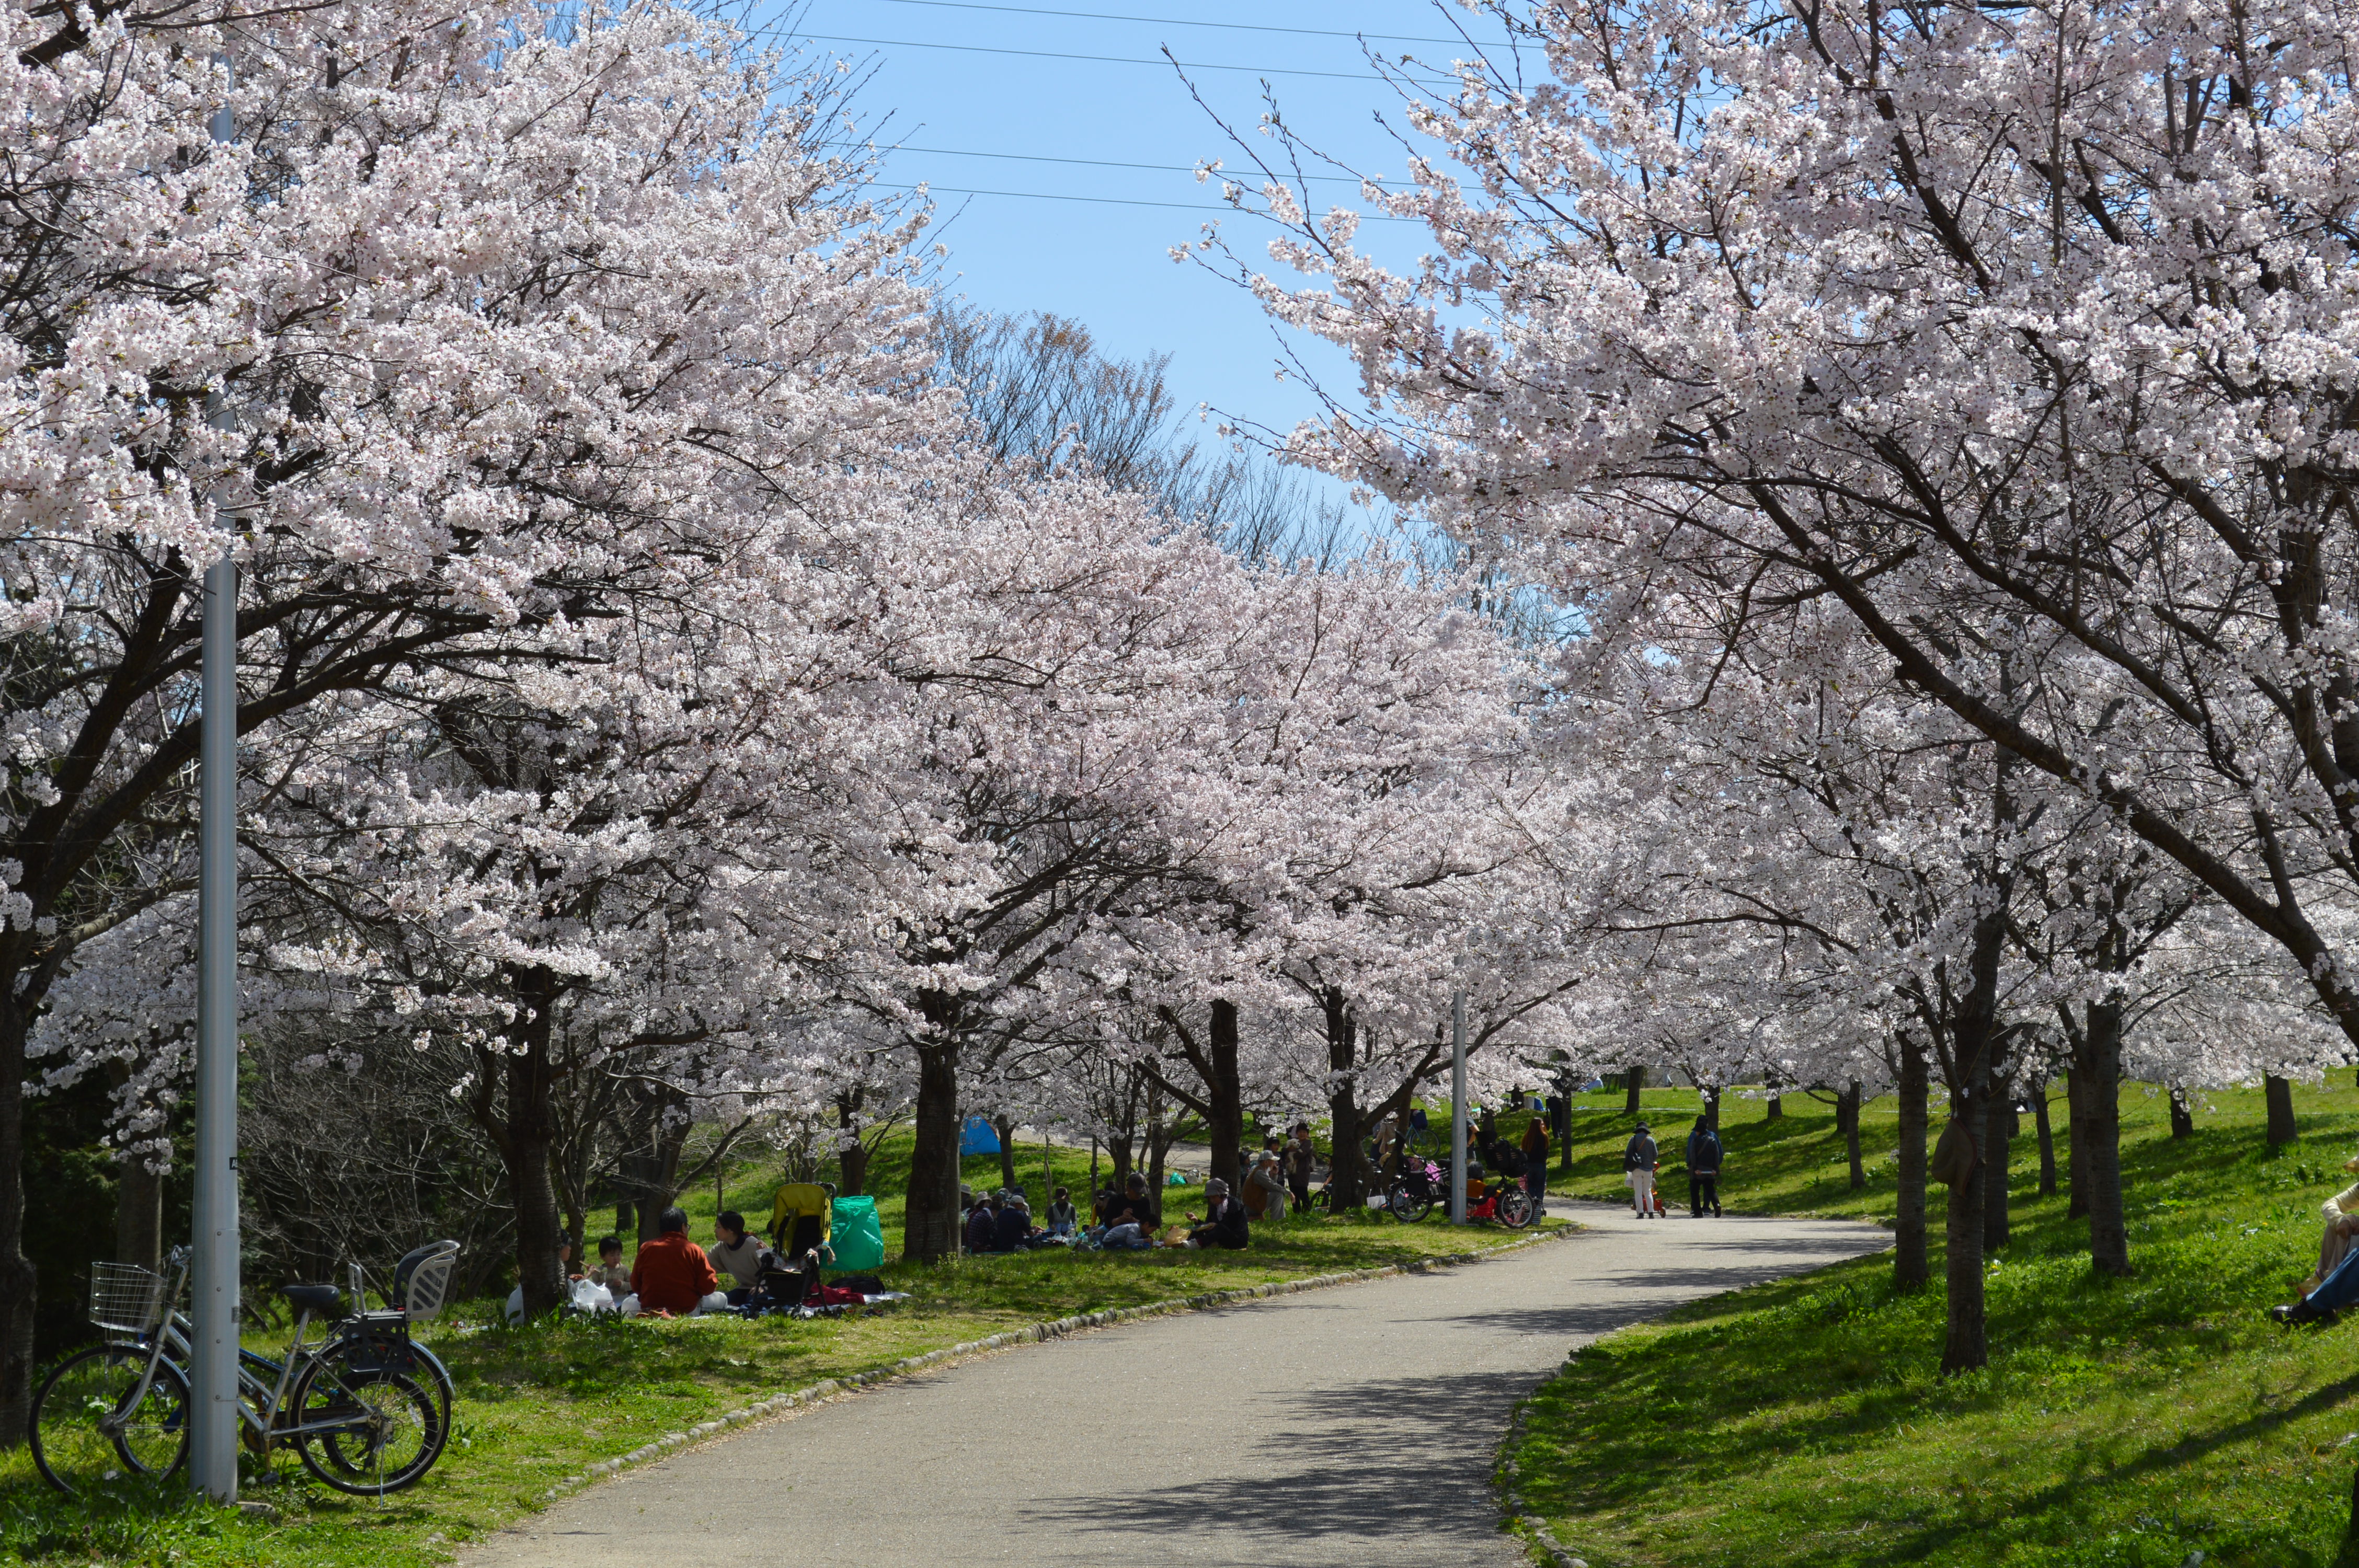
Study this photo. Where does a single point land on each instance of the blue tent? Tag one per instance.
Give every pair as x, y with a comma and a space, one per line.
978, 1137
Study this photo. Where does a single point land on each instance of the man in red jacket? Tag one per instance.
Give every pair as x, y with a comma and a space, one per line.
672, 1273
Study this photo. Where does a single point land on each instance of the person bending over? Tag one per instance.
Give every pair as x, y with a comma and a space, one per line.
672, 1273
1012, 1230
1130, 1218
1225, 1223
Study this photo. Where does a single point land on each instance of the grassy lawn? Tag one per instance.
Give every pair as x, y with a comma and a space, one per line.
2133, 1423
538, 1403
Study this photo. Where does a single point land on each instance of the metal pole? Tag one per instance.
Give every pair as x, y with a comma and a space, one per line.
213, 1372
212, 1435
1458, 1108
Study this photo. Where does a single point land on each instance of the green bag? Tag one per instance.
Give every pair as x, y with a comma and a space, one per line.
854, 1236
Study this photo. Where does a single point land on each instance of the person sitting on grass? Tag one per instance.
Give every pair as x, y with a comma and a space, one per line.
610, 1271
1063, 1221
1225, 1223
1269, 1179
1012, 1227
1131, 1218
983, 1226
740, 1256
672, 1273
2341, 1216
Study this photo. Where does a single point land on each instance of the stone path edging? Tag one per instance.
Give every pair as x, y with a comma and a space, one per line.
819, 1393
1534, 1528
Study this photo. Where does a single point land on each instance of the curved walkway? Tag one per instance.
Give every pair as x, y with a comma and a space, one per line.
1354, 1425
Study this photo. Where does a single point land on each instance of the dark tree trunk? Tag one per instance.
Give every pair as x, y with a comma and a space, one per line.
524, 1130
17, 1277
2182, 1120
2047, 1143
1632, 1082
626, 1217
852, 1157
1225, 1096
1997, 1154
1006, 1130
2076, 1133
1975, 1099
1347, 1180
1561, 1123
1911, 1267
138, 1203
1775, 1110
1711, 1111
2098, 1113
2280, 1097
1847, 1113
930, 1225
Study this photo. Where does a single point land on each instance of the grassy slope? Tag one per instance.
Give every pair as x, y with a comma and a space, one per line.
538, 1404
2127, 1422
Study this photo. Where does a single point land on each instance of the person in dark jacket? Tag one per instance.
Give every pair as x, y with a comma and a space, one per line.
1639, 1160
1131, 1219
1536, 1154
981, 1226
1704, 1170
1224, 1219
1012, 1227
1302, 1164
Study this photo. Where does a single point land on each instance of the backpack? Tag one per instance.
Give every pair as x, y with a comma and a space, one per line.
1954, 1157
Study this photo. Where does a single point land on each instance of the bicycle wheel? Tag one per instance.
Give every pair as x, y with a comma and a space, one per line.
376, 1431
1406, 1205
88, 1431
1514, 1207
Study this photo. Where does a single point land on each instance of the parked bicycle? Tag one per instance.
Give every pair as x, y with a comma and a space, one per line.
352, 1404
1425, 1183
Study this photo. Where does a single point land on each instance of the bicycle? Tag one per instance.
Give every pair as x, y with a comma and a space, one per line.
1426, 1183
348, 1404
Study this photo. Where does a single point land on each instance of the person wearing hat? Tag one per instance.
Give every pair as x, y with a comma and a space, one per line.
1639, 1161
983, 1226
1224, 1219
1704, 1170
1269, 1181
1012, 1230
1301, 1164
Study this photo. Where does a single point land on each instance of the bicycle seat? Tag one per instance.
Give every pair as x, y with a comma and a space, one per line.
323, 1301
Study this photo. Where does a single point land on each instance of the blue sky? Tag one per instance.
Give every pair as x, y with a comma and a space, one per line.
966, 120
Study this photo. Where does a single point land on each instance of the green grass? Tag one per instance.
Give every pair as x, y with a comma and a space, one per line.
537, 1404
2125, 1422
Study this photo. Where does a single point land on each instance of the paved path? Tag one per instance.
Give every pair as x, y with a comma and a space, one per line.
1347, 1426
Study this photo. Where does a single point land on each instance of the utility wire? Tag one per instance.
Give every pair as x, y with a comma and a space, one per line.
1103, 163
1101, 58
1122, 201
1178, 22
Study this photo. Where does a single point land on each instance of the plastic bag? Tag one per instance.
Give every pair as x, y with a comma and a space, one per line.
856, 1238
592, 1297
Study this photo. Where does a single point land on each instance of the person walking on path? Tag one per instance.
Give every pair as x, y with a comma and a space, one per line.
1639, 1160
1704, 1170
1535, 1153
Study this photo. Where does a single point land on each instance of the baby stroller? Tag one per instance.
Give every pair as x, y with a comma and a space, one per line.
799, 1226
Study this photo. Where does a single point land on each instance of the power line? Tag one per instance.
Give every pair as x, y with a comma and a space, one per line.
1178, 22
1122, 202
1101, 58
1103, 163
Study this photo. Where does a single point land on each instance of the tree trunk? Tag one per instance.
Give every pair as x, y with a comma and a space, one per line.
1911, 1267
138, 1202
2076, 1133
2280, 1096
1224, 1095
1711, 1111
852, 1157
626, 1217
2047, 1142
18, 1282
1847, 1113
1006, 1130
1775, 1110
526, 1139
931, 1222
2101, 1107
2182, 1120
1966, 1343
1347, 1182
1998, 1156
1632, 1082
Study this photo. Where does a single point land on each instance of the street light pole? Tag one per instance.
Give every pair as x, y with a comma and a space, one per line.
1458, 1108
213, 1372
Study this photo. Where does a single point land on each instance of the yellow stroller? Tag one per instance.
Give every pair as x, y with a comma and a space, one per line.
798, 1227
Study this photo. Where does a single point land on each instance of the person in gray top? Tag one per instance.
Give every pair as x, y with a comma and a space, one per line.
737, 1255
1639, 1161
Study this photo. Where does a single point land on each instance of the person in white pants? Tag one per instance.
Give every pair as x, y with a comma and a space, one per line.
1639, 1160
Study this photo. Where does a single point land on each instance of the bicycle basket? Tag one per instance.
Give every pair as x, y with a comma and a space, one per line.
126, 1301
379, 1342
